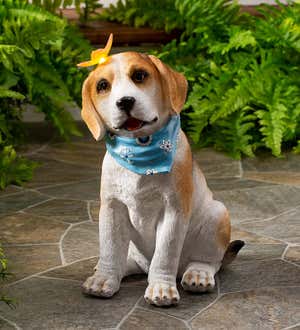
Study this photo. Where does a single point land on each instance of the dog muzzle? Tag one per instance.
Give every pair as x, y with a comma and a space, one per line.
147, 155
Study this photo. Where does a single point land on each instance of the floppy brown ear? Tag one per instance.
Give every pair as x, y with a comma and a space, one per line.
175, 83
89, 114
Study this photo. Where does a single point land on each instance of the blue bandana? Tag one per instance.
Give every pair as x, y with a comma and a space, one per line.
147, 155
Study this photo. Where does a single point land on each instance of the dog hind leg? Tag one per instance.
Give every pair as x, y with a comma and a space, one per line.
206, 250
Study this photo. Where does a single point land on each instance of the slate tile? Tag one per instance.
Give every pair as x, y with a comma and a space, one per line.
80, 153
16, 202
94, 210
28, 260
259, 202
81, 241
248, 237
189, 305
9, 190
266, 308
5, 325
85, 190
216, 164
145, 319
78, 271
293, 254
291, 178
60, 304
258, 274
221, 184
51, 172
65, 210
285, 227
21, 228
266, 163
251, 252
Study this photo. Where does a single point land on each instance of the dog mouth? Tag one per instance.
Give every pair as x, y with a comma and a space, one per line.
133, 124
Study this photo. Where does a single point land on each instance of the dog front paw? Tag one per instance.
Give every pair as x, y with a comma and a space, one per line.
199, 278
101, 286
162, 294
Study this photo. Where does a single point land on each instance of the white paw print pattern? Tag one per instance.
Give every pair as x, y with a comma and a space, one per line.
151, 171
166, 145
126, 154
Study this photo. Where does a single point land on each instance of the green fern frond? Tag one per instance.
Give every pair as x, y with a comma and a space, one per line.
272, 121
11, 94
234, 136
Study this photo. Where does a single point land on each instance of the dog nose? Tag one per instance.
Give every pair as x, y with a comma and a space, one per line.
125, 103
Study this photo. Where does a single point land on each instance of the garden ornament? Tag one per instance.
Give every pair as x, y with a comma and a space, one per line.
99, 56
157, 215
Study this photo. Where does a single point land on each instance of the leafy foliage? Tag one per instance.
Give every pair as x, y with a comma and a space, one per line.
243, 73
38, 53
156, 13
3, 276
85, 8
14, 169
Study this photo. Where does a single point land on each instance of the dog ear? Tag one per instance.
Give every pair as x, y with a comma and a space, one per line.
175, 83
89, 113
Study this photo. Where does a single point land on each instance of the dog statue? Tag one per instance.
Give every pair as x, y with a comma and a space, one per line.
157, 215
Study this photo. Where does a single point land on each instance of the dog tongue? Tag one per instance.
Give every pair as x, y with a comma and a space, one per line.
132, 124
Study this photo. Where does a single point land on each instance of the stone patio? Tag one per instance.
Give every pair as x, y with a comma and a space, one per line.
48, 229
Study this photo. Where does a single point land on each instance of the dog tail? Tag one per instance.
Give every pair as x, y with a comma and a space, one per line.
232, 251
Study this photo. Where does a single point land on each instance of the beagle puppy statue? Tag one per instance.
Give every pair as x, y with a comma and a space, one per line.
157, 215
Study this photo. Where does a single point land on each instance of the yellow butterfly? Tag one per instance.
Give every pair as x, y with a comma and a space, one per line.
99, 56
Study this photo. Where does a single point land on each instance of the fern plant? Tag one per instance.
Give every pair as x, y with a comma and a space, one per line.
156, 13
38, 54
85, 8
243, 73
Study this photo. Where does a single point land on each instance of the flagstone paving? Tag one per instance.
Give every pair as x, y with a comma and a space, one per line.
49, 231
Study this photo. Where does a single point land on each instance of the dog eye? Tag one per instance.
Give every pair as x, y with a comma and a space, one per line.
139, 76
102, 85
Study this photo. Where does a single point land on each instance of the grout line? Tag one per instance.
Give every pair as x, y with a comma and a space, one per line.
57, 278
280, 241
36, 204
31, 153
46, 271
252, 220
260, 288
61, 252
241, 169
205, 308
50, 218
219, 296
291, 263
71, 226
264, 187
284, 252
89, 211
292, 326
56, 197
22, 191
10, 322
165, 314
268, 181
41, 148
129, 313
12, 194
65, 183
222, 191
29, 244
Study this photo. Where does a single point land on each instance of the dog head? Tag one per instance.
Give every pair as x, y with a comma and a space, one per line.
132, 95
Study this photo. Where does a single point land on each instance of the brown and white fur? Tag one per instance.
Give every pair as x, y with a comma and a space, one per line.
166, 225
